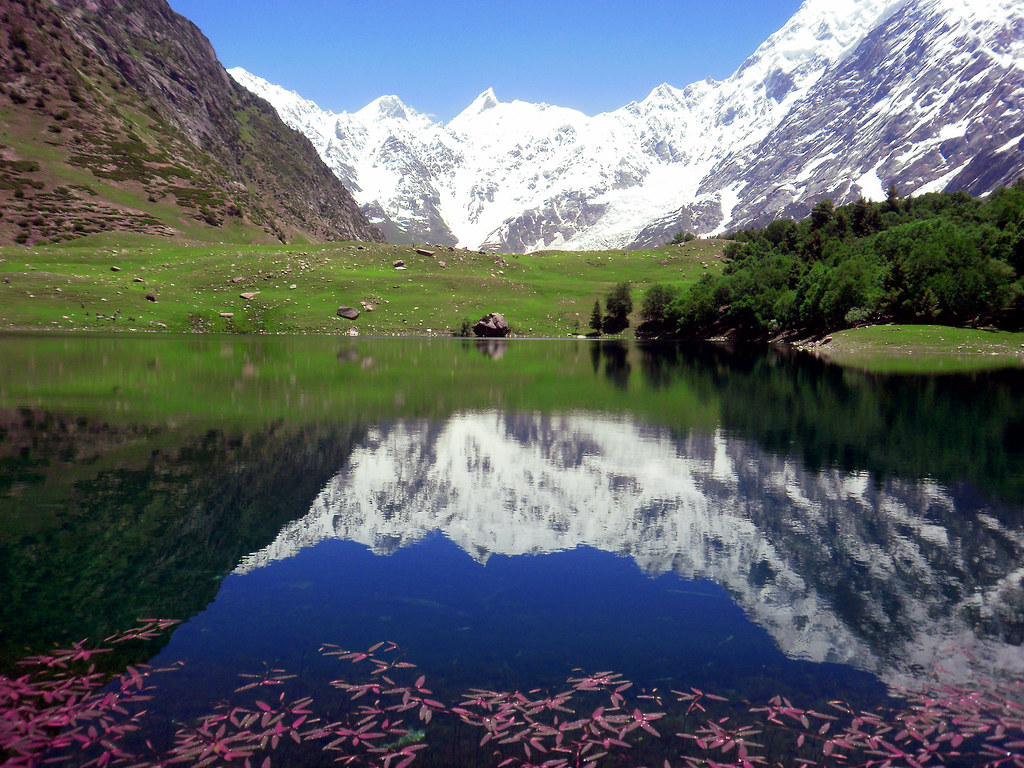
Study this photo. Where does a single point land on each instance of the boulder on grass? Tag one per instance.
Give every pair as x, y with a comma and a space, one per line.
491, 326
349, 313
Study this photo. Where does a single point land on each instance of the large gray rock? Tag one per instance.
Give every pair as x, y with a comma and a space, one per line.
349, 313
491, 326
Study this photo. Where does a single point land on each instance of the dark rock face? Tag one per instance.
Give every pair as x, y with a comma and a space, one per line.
349, 313
699, 217
558, 220
209, 147
493, 325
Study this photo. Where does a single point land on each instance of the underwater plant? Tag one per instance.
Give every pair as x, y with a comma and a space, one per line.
64, 710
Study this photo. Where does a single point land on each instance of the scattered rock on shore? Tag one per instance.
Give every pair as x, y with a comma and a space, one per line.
493, 325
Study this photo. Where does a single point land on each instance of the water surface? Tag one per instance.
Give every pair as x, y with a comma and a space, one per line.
739, 519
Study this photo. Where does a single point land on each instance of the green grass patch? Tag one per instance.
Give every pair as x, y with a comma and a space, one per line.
925, 349
543, 295
548, 294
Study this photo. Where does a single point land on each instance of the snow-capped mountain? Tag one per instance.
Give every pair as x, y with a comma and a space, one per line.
837, 566
849, 97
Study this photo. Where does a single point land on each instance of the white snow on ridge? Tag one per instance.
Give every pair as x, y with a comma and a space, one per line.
523, 176
641, 161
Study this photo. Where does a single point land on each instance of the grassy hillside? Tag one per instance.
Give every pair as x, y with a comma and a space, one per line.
124, 121
97, 285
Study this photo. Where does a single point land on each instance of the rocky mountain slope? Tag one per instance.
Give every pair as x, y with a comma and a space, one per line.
844, 101
118, 116
838, 566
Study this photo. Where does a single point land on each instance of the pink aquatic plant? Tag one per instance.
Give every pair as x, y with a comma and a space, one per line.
62, 710
64, 704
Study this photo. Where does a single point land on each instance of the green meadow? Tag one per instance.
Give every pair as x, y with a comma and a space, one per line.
924, 349
149, 285
137, 284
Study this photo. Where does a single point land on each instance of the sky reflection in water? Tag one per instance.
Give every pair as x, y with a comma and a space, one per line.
516, 622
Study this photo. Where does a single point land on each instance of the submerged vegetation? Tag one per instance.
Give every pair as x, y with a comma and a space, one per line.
63, 710
939, 258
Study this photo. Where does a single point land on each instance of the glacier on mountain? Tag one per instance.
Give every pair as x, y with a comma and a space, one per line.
845, 100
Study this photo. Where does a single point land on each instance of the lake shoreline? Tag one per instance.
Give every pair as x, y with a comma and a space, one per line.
919, 348
879, 349
404, 291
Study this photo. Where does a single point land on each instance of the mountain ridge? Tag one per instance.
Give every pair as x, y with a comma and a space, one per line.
119, 117
711, 157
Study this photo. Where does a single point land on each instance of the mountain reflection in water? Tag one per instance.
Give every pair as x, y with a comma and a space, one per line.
684, 514
837, 566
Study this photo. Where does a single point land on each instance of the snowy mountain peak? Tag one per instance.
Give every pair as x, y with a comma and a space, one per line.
664, 95
849, 97
483, 102
385, 108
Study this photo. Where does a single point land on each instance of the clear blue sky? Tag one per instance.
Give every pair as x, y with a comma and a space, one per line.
593, 55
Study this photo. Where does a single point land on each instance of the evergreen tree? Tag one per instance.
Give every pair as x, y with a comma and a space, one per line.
655, 309
595, 317
822, 214
865, 218
892, 199
618, 305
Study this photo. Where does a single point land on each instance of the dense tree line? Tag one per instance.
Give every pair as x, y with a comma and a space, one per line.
938, 258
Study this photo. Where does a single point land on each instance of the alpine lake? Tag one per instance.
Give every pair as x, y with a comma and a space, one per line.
750, 521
